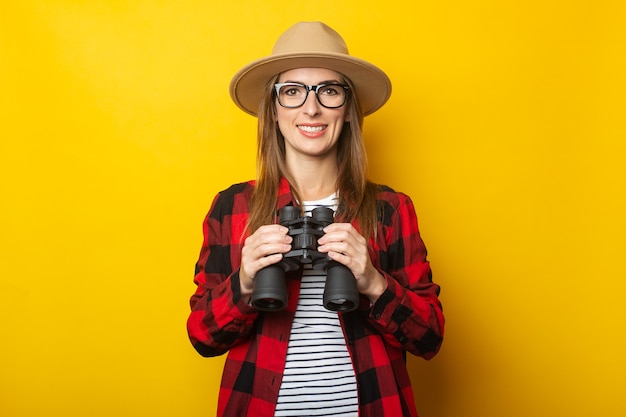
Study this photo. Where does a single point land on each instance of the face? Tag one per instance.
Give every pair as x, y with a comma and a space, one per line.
311, 130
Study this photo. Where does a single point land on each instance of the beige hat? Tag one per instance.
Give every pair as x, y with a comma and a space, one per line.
310, 45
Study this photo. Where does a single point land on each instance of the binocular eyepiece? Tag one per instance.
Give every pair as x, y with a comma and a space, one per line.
270, 288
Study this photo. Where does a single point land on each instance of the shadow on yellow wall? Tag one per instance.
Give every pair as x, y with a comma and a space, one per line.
506, 126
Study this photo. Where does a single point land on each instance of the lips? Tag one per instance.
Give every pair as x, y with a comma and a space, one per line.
312, 129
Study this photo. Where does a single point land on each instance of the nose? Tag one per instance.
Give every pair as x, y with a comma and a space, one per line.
311, 106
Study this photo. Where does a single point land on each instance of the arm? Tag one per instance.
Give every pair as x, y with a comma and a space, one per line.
408, 313
219, 317
393, 273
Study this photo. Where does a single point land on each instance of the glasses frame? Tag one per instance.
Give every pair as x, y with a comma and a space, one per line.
310, 88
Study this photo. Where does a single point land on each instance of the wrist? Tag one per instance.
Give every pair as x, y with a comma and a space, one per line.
378, 287
245, 292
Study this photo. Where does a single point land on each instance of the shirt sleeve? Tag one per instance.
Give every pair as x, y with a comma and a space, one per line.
219, 318
409, 313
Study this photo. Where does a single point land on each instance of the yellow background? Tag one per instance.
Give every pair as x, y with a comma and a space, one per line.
506, 126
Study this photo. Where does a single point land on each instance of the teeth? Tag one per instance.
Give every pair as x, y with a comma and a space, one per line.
311, 129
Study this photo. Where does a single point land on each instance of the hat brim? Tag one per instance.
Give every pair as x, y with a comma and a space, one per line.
373, 87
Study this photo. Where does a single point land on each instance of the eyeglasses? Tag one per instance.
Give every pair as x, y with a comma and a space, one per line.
292, 95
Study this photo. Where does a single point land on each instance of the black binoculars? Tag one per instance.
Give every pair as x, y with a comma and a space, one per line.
270, 288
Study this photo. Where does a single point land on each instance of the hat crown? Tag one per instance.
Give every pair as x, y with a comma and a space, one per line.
310, 37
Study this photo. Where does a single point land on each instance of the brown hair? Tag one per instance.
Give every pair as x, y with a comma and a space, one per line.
357, 196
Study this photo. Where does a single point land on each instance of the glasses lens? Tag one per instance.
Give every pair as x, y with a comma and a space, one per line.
331, 95
292, 95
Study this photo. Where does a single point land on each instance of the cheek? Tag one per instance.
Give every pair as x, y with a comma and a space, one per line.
283, 128
281, 121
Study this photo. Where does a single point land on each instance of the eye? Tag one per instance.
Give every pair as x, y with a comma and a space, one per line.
292, 90
330, 90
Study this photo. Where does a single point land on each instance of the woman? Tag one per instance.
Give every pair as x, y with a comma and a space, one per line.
310, 97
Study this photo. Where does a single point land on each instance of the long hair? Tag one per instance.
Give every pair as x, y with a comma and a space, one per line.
357, 196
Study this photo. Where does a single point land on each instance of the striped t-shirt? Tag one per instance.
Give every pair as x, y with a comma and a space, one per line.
319, 379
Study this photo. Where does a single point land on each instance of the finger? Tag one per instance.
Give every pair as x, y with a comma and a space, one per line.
339, 247
267, 261
252, 268
339, 226
344, 242
340, 232
269, 235
356, 265
251, 252
271, 249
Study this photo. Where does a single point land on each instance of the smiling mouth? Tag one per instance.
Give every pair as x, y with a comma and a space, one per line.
312, 129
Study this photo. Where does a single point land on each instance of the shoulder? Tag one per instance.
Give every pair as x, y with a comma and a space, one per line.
237, 189
389, 202
232, 200
388, 196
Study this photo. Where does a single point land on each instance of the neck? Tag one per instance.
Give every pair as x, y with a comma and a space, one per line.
314, 180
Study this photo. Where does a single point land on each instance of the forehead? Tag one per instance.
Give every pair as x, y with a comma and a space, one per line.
310, 75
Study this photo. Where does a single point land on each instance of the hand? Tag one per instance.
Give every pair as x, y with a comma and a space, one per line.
264, 247
344, 244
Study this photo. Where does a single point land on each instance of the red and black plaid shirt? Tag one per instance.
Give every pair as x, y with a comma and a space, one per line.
406, 317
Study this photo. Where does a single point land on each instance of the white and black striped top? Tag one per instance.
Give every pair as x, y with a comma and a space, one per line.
319, 379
